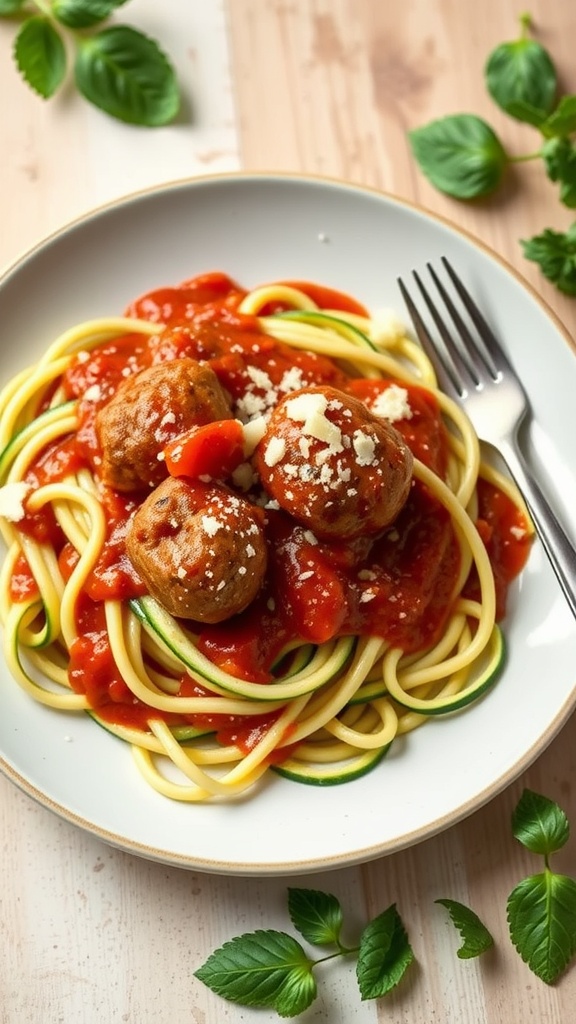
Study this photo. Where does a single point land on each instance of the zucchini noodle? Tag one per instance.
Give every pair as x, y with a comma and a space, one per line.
331, 710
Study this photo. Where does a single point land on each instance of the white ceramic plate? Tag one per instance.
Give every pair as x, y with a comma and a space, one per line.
258, 229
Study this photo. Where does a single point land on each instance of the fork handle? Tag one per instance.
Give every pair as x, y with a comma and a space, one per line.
555, 541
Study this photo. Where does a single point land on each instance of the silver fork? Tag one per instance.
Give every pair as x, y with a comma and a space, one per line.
477, 373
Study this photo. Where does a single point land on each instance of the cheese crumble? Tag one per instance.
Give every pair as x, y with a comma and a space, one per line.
211, 525
365, 448
12, 497
392, 404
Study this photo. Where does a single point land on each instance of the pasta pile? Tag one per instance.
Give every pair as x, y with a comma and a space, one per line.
332, 709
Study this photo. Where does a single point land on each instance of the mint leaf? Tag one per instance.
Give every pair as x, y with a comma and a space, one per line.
40, 55
555, 253
521, 72
525, 112
262, 968
10, 7
542, 908
83, 13
476, 937
385, 954
542, 921
125, 73
537, 822
316, 915
562, 121
559, 157
460, 154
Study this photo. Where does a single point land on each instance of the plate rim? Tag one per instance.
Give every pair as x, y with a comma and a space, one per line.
303, 866
416, 835
176, 184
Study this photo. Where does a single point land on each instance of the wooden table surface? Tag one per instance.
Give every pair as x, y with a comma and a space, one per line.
89, 933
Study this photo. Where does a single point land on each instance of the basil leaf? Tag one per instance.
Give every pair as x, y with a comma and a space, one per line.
316, 915
542, 921
555, 253
385, 954
40, 55
262, 968
523, 111
83, 13
539, 823
125, 73
476, 937
559, 157
562, 121
521, 71
460, 154
10, 7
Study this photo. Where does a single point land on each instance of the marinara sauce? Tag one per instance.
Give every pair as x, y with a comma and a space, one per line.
398, 585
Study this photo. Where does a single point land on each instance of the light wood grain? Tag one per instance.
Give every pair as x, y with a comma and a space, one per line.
61, 158
89, 933
333, 86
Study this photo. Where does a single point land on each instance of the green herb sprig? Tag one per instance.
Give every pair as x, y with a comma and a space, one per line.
116, 68
542, 908
271, 969
462, 155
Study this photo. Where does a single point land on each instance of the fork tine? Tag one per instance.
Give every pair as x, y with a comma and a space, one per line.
446, 378
491, 344
457, 371
497, 405
471, 357
463, 370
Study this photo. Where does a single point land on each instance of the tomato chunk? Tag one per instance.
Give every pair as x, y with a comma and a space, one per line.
214, 450
313, 592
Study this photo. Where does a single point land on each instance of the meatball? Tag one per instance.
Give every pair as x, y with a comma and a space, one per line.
333, 465
150, 409
199, 548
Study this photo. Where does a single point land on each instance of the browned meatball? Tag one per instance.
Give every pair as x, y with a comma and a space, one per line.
150, 409
199, 548
333, 465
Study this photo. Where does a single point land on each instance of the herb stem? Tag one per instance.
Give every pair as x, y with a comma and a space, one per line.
525, 157
525, 24
342, 951
44, 8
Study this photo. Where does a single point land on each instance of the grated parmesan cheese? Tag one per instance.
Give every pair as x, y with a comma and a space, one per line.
275, 451
364, 446
386, 327
93, 393
253, 432
292, 380
310, 409
211, 525
12, 497
392, 404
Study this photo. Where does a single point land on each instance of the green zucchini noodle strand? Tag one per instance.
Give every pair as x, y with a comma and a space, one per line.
330, 710
244, 774
327, 704
327, 660
13, 648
